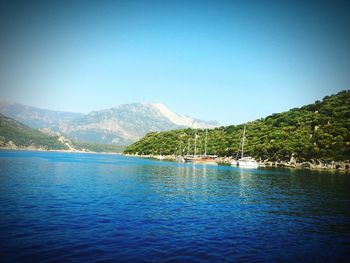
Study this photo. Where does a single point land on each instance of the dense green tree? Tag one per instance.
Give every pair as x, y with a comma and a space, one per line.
317, 131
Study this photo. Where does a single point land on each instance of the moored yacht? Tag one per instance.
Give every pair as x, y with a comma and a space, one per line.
247, 161
204, 159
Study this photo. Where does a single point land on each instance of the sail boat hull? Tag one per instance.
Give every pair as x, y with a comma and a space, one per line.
245, 162
201, 159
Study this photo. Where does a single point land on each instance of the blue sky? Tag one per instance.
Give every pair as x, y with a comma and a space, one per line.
230, 61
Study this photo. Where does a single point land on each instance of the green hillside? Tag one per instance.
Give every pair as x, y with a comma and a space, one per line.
317, 131
15, 134
23, 136
95, 147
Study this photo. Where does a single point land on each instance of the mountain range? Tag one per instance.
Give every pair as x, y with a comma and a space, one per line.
16, 135
119, 125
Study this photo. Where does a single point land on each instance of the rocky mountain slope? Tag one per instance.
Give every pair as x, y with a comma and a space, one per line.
36, 118
14, 134
120, 125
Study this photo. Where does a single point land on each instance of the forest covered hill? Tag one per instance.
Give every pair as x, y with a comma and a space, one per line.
316, 131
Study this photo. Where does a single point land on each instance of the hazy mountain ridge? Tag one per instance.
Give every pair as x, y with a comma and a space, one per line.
14, 134
124, 124
36, 117
119, 125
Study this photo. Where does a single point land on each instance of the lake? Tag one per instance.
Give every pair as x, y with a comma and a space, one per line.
58, 207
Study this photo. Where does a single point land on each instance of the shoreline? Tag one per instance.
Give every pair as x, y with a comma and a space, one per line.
333, 166
312, 165
62, 151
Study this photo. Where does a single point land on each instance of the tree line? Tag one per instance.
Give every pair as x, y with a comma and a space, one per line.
317, 131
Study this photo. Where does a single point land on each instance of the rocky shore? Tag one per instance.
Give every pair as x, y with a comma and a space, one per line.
12, 146
312, 164
70, 147
40, 149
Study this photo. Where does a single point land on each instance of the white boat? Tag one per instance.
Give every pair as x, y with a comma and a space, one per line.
180, 159
160, 157
247, 161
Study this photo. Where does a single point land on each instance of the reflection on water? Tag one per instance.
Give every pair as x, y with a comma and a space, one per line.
91, 207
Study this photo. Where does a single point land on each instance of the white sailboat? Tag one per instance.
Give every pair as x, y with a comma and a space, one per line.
245, 161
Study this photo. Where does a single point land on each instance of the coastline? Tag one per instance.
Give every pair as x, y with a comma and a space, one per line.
312, 164
46, 150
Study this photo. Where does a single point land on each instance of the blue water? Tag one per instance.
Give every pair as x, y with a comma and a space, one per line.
59, 207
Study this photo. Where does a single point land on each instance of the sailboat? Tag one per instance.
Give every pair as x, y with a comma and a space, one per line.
245, 161
198, 158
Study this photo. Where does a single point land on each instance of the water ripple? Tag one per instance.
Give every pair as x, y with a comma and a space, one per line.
59, 207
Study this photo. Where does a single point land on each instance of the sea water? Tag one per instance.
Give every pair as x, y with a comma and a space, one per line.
59, 207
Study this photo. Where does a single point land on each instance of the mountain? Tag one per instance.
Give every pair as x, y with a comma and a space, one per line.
127, 123
120, 125
14, 134
317, 131
182, 120
35, 117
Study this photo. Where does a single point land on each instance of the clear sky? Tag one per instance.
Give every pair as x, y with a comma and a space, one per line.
230, 61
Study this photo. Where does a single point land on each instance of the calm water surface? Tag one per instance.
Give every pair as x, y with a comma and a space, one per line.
59, 207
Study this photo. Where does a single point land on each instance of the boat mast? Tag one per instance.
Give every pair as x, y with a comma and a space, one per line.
188, 147
243, 138
206, 142
195, 143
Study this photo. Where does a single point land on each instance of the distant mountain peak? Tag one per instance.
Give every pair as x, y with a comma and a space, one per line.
122, 124
183, 120
163, 111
